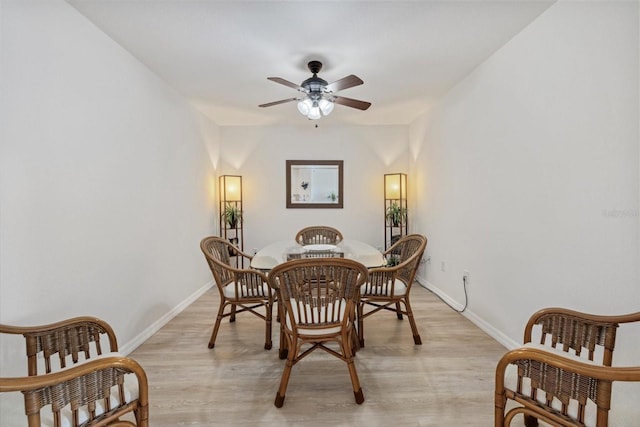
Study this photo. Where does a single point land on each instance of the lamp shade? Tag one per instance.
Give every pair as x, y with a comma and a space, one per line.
304, 106
395, 186
314, 113
231, 188
326, 106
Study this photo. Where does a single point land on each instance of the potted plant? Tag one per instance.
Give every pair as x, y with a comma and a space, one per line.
232, 215
396, 214
393, 260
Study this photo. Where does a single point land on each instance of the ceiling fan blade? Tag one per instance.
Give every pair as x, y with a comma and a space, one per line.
282, 101
353, 103
286, 83
344, 83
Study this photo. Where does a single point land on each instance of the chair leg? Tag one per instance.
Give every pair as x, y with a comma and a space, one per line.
267, 342
284, 348
354, 341
284, 381
361, 325
232, 318
216, 326
355, 381
398, 311
498, 410
282, 353
414, 329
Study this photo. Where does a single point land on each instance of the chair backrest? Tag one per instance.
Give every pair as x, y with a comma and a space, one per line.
216, 251
403, 260
319, 234
58, 345
408, 252
249, 283
572, 332
407, 246
318, 293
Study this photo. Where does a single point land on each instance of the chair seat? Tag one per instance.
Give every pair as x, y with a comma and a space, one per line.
319, 314
230, 291
511, 381
399, 289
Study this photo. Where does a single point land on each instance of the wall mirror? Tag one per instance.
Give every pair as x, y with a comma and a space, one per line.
314, 184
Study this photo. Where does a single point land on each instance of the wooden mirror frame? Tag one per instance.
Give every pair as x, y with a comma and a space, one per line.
291, 191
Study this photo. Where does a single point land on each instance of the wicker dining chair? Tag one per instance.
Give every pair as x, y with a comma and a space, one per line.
241, 289
76, 377
389, 287
319, 234
317, 304
562, 374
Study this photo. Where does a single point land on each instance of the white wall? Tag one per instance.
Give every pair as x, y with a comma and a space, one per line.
106, 187
259, 155
528, 175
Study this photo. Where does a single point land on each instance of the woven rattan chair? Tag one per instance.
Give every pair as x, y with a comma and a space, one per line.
388, 288
317, 303
319, 234
76, 377
562, 375
240, 289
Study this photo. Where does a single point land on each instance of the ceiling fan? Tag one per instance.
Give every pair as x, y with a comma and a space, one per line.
318, 97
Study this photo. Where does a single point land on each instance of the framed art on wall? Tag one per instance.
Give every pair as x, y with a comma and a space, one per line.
315, 184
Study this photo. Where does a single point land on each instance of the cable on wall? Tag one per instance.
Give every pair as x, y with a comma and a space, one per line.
466, 297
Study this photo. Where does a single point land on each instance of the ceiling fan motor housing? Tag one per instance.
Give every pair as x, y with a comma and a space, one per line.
314, 85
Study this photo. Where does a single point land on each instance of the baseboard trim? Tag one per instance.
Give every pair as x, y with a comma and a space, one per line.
486, 327
158, 324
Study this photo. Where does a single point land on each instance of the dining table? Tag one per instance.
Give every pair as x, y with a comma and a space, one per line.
285, 250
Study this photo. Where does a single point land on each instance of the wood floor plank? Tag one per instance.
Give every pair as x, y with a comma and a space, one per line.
448, 381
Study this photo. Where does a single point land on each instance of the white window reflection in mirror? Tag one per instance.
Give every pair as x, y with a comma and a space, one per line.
314, 184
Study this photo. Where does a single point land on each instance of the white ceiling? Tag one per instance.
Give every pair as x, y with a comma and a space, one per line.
219, 53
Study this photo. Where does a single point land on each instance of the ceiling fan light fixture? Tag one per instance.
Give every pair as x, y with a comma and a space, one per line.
326, 106
304, 106
314, 113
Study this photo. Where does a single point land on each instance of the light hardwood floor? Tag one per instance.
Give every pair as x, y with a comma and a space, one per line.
447, 381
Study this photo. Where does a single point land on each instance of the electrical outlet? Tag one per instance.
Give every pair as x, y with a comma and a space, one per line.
255, 251
443, 266
465, 276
